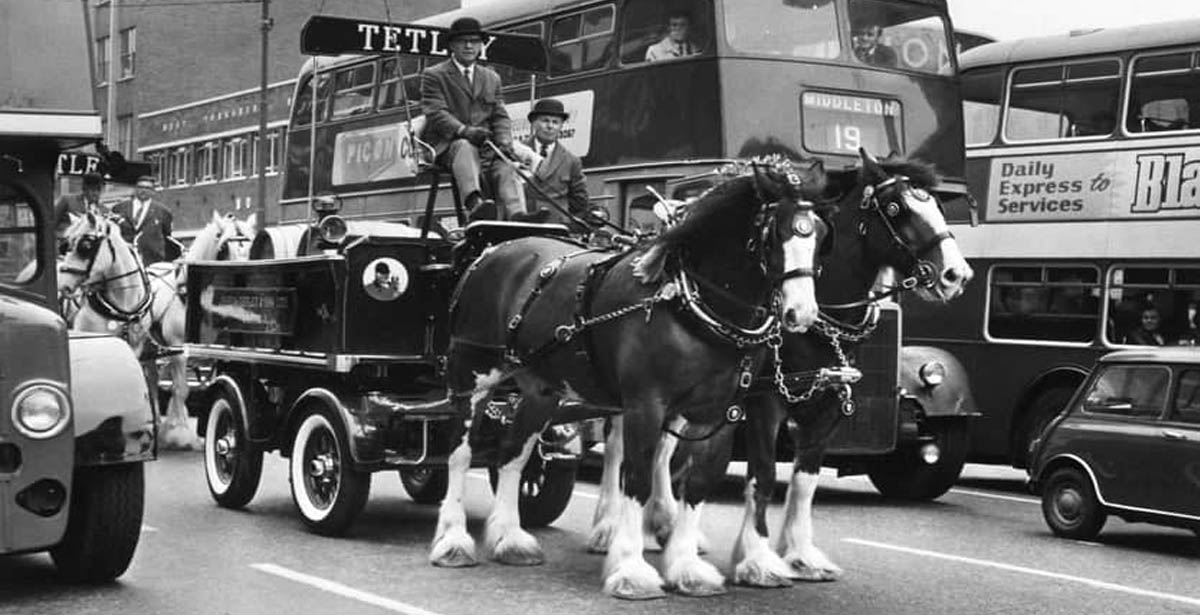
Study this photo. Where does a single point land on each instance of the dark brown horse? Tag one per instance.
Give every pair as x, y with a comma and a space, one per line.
886, 223
670, 333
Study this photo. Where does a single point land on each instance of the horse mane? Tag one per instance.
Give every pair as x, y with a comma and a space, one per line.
922, 174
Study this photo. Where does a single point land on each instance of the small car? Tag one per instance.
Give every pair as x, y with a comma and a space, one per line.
1128, 444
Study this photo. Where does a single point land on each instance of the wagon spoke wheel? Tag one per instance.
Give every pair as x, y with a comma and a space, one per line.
328, 490
232, 465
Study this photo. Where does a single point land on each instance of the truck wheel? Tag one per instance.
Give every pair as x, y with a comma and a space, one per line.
328, 491
1044, 408
545, 489
1070, 505
425, 485
905, 475
232, 465
104, 525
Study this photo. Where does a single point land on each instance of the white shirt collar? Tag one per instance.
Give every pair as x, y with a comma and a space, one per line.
537, 145
462, 68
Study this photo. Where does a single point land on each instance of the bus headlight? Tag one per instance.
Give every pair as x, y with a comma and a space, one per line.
41, 411
932, 373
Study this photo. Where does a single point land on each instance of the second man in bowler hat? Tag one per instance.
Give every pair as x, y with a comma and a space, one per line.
557, 171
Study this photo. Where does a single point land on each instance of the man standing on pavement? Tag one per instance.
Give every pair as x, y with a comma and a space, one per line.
78, 204
146, 224
463, 110
557, 172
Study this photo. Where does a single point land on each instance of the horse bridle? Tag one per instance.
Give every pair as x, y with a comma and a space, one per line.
238, 237
768, 218
919, 271
88, 246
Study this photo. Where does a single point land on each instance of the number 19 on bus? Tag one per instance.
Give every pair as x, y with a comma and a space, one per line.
847, 137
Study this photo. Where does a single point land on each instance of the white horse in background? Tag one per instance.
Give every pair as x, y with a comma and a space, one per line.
145, 305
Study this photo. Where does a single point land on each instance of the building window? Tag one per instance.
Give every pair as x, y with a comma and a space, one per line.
179, 165
1051, 304
580, 42
234, 166
206, 162
158, 160
125, 135
274, 151
128, 52
102, 60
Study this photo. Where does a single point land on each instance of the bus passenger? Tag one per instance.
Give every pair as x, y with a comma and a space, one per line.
868, 48
1148, 333
146, 223
78, 204
464, 109
557, 171
677, 43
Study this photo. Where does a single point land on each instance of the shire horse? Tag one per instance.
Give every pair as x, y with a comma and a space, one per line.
670, 333
886, 224
143, 305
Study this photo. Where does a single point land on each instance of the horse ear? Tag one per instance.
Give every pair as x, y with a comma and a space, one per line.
252, 220
216, 216
871, 166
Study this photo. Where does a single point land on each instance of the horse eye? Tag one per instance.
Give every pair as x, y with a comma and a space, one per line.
892, 209
803, 226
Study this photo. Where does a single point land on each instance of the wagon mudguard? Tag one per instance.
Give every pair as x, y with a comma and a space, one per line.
114, 420
952, 397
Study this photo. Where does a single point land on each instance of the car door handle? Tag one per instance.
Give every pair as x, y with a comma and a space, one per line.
1173, 435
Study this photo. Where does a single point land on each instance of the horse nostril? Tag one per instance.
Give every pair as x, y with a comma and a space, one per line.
950, 275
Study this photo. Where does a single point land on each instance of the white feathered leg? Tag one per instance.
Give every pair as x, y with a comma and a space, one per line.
608, 507
808, 563
687, 573
626, 572
754, 563
508, 542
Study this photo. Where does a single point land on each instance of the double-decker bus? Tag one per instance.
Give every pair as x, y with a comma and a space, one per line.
1083, 151
767, 76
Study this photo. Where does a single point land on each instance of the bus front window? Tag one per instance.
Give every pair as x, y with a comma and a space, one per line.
795, 28
18, 238
900, 35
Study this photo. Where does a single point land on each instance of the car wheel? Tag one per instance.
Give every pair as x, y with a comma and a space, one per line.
905, 475
425, 485
1044, 408
1070, 505
104, 525
545, 489
232, 465
328, 491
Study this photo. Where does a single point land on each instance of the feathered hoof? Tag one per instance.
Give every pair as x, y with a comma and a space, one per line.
821, 570
175, 437
765, 571
601, 537
634, 580
518, 548
454, 549
703, 546
695, 577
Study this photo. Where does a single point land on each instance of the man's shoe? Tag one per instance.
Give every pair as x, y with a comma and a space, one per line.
540, 216
485, 210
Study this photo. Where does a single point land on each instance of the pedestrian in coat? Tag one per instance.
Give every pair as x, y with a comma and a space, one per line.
146, 224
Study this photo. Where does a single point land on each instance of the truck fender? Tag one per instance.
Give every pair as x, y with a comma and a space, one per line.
951, 397
364, 447
114, 419
228, 384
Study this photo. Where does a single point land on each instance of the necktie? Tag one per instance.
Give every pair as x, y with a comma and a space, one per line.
545, 150
467, 74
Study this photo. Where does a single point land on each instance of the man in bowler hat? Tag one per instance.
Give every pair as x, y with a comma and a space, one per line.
146, 224
464, 109
557, 172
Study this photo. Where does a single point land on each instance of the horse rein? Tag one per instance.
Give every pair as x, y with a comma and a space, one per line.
94, 290
921, 272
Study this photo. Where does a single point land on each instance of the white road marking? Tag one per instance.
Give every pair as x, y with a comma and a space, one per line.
342, 590
1030, 571
996, 496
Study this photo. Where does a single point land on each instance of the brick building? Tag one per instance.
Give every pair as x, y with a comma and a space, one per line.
187, 79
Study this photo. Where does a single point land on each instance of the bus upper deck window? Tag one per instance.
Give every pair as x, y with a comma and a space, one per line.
982, 91
18, 238
512, 77
900, 35
582, 41
654, 30
353, 90
791, 28
392, 72
1163, 96
302, 109
1063, 101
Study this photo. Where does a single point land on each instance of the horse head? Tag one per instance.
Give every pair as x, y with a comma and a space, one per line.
757, 234
92, 253
224, 238
902, 222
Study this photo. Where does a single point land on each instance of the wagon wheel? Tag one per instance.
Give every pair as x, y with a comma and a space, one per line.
545, 489
232, 465
328, 491
425, 485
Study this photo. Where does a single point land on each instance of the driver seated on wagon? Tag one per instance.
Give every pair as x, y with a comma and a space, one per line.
464, 109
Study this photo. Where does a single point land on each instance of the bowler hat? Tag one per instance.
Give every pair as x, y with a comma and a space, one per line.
464, 26
548, 106
146, 181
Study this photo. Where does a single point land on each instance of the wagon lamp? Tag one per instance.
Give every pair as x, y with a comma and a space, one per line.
41, 411
932, 373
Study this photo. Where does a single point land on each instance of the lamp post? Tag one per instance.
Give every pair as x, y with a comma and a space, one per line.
260, 203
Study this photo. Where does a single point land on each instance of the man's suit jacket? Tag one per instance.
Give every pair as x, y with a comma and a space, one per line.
150, 237
66, 205
450, 102
560, 176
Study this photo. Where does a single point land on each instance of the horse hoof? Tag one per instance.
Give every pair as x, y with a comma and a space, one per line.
453, 550
808, 574
600, 538
762, 574
635, 581
518, 548
696, 577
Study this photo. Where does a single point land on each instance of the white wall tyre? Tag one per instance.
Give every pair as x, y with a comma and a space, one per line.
232, 465
328, 491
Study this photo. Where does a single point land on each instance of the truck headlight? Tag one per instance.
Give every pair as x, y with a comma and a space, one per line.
932, 373
41, 411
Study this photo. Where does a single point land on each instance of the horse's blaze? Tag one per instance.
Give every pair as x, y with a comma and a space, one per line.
799, 293
952, 268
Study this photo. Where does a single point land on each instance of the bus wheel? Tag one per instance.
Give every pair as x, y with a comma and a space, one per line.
328, 491
545, 489
907, 475
425, 485
232, 465
1044, 408
1070, 505
104, 525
